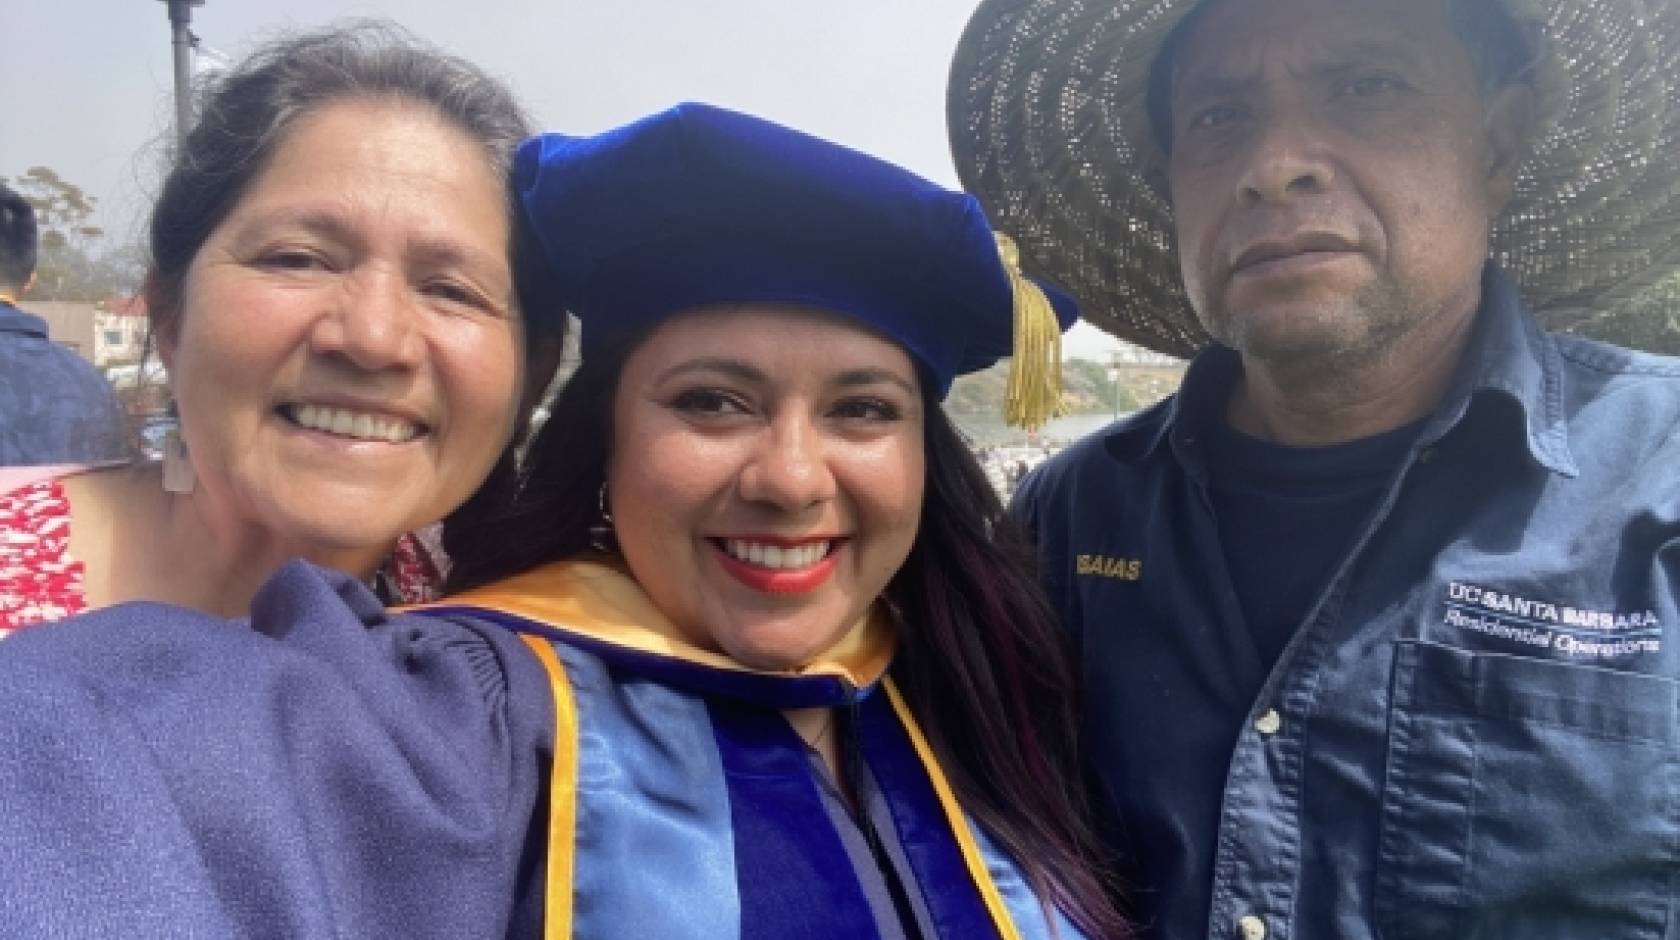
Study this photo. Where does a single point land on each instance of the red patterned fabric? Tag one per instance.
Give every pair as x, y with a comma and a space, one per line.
39, 581
414, 567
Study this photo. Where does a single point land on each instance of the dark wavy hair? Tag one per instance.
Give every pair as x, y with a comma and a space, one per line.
982, 663
18, 240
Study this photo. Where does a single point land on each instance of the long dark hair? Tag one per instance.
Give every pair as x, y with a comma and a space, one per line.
981, 662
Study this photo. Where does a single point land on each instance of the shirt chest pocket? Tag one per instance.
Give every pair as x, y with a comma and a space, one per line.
1527, 798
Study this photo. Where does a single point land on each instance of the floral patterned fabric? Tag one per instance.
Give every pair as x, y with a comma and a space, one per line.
416, 566
41, 582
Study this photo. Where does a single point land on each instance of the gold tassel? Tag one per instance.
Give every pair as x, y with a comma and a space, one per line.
1035, 370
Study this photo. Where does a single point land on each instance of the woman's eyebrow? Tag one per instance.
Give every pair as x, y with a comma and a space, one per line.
734, 368
314, 221
448, 253
853, 378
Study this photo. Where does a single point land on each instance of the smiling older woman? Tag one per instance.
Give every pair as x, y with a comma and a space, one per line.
333, 291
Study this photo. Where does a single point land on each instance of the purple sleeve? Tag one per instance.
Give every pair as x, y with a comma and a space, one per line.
326, 770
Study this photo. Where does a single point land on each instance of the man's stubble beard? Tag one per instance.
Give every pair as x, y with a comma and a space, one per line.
1376, 322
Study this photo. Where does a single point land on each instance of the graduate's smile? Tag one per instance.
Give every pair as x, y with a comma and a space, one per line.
766, 475
777, 565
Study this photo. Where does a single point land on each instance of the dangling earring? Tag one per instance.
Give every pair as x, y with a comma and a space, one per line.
601, 534
178, 476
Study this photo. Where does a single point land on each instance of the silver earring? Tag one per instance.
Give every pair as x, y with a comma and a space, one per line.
178, 476
601, 534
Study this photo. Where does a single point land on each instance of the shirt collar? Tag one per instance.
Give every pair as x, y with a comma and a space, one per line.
1200, 398
1508, 353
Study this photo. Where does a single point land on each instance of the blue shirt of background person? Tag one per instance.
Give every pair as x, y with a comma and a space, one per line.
1379, 616
55, 408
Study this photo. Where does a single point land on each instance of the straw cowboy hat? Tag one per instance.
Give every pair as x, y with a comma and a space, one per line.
1050, 129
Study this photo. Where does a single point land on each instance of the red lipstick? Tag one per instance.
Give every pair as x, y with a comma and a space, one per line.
779, 580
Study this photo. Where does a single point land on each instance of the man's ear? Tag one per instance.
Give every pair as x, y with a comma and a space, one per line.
1509, 119
28, 283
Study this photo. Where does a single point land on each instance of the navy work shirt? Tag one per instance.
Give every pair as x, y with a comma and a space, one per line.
1472, 732
54, 406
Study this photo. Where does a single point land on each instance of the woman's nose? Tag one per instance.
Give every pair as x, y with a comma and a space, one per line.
788, 469
372, 323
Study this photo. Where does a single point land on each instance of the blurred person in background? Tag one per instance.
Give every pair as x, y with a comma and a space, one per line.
55, 407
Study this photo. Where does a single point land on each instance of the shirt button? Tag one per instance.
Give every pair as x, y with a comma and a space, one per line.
1251, 928
1269, 722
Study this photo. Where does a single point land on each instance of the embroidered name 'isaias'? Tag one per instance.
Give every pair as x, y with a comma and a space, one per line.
1108, 566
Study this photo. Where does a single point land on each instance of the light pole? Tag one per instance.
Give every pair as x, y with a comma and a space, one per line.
1114, 376
180, 23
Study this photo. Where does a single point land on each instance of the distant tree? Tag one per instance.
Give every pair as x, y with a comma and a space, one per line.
979, 392
73, 264
61, 207
117, 270
1652, 321
1092, 388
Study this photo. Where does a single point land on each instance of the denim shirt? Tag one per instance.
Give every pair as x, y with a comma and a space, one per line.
1473, 732
54, 407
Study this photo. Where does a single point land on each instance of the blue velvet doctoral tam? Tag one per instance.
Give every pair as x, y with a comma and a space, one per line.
698, 205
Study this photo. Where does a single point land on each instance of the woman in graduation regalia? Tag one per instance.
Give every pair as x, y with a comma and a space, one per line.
746, 652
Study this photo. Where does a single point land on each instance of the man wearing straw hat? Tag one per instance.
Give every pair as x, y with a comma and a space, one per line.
1378, 614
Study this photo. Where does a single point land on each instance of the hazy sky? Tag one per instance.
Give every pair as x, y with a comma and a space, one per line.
88, 83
